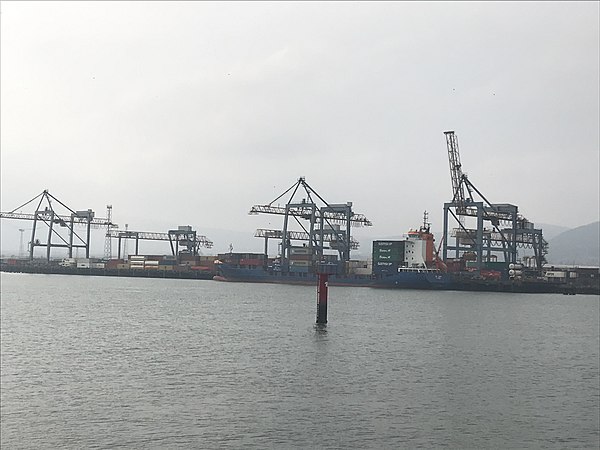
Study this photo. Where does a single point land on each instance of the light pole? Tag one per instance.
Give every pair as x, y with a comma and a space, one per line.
21, 230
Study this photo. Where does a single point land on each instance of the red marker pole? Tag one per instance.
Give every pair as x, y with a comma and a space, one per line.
322, 298
323, 271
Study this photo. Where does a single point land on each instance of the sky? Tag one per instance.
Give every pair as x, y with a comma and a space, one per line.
190, 113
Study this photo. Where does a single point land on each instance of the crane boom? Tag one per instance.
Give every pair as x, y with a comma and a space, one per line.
60, 219
456, 174
356, 220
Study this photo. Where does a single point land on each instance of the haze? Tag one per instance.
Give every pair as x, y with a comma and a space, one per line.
191, 112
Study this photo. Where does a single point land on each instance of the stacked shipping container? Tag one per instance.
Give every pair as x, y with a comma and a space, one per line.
388, 256
300, 259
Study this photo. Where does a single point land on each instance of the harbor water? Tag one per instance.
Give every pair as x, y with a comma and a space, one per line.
102, 362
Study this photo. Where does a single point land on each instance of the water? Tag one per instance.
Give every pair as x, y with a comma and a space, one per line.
141, 363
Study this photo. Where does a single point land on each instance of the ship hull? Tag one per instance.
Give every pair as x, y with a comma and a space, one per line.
259, 275
408, 280
424, 279
416, 280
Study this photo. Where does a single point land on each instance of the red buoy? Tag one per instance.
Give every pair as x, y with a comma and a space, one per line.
323, 272
322, 289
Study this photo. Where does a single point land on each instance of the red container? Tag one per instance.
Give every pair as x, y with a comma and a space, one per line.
251, 262
113, 263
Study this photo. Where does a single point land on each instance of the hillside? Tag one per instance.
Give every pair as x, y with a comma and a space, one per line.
580, 246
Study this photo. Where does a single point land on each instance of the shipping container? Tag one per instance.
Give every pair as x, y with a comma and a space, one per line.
300, 250
555, 274
393, 258
190, 260
113, 263
359, 263
489, 274
155, 257
328, 258
251, 262
300, 263
123, 266
299, 269
83, 265
301, 257
388, 244
167, 262
388, 257
385, 264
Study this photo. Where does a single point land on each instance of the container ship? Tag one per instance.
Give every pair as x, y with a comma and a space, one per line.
485, 250
182, 266
409, 263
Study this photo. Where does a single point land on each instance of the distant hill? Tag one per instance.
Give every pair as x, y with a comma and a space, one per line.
551, 231
579, 246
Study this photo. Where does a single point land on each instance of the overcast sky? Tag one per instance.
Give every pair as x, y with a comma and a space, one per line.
191, 112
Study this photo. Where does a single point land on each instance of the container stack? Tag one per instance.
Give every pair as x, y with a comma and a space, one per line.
167, 263
300, 259
243, 260
388, 256
356, 267
136, 262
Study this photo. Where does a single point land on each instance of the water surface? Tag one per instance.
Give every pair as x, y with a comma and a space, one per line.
99, 362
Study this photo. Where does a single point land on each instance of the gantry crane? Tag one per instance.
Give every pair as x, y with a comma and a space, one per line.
184, 237
327, 223
509, 230
45, 213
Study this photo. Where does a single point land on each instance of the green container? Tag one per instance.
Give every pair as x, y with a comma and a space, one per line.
395, 252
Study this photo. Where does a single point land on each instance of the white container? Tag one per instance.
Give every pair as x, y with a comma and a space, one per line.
556, 274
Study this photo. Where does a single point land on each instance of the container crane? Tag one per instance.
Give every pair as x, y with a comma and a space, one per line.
327, 223
508, 231
45, 213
